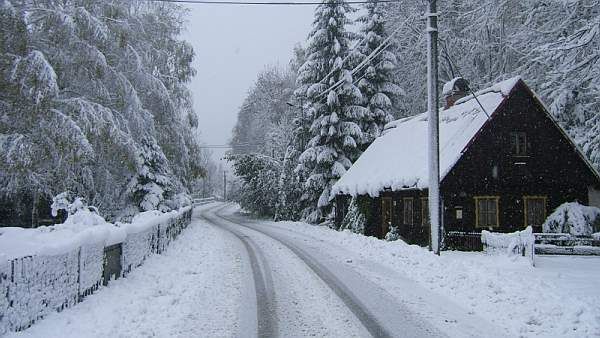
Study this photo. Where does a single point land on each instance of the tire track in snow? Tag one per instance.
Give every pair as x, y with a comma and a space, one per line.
266, 320
368, 320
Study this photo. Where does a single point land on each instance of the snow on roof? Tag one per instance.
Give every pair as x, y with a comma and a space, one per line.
398, 158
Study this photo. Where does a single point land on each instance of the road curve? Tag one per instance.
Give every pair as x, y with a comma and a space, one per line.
376, 310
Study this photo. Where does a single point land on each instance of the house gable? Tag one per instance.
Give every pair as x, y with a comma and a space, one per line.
551, 165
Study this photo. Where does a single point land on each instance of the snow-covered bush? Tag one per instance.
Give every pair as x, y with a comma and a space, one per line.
511, 244
392, 234
72, 205
573, 218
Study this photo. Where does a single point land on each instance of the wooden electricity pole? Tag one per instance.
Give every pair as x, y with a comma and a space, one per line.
432, 107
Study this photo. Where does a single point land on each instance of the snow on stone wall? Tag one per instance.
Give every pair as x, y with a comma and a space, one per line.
39, 285
33, 286
137, 247
90, 266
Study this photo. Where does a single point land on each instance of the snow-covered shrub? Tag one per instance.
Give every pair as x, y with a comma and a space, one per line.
392, 234
573, 218
65, 201
511, 244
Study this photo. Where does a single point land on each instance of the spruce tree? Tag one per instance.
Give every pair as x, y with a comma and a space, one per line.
377, 83
153, 184
333, 101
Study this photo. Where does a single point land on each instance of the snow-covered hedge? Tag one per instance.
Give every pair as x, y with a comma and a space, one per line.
573, 218
50, 268
511, 244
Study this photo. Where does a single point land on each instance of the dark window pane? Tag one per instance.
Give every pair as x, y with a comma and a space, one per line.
487, 210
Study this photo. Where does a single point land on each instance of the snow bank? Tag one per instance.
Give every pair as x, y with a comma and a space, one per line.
573, 218
398, 158
51, 268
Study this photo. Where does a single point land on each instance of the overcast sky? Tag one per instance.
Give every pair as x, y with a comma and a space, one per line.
233, 44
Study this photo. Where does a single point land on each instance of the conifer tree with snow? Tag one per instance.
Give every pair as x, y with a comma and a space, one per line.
326, 83
153, 184
378, 83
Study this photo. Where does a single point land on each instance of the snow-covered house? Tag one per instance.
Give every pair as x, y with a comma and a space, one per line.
504, 164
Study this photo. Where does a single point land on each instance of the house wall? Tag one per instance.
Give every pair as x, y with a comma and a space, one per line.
552, 168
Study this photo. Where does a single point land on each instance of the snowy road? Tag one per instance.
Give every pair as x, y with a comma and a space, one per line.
327, 277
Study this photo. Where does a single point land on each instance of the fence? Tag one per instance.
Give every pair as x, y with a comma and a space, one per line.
566, 244
463, 241
32, 287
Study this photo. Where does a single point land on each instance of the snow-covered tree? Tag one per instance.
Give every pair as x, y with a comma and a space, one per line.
565, 67
259, 175
326, 82
378, 83
265, 129
82, 83
153, 182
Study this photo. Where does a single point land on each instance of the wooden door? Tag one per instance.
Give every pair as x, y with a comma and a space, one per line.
386, 215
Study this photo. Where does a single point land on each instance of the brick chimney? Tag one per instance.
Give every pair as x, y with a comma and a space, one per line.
454, 90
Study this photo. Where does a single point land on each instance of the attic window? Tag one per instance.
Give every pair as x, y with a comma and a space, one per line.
518, 142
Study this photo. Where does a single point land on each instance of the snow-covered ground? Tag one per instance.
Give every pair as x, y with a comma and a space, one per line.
241, 278
560, 297
193, 289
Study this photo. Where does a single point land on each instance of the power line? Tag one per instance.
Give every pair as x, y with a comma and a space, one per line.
266, 3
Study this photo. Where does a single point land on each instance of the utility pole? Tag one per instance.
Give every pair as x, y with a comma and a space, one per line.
224, 185
433, 129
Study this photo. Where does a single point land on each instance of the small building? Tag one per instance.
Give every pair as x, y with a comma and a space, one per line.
504, 165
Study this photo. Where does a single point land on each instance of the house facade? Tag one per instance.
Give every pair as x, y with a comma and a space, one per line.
505, 164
